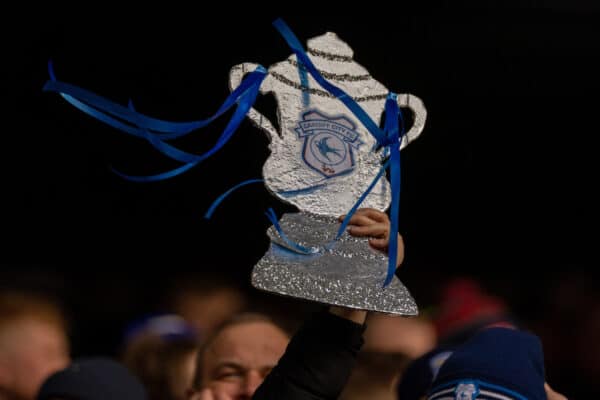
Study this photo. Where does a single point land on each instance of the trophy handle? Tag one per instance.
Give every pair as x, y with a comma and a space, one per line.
236, 75
417, 107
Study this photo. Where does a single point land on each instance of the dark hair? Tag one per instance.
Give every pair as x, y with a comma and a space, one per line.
155, 360
154, 350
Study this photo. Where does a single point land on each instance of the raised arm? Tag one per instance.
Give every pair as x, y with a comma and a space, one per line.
320, 357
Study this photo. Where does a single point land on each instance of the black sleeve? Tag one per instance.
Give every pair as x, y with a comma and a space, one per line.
317, 362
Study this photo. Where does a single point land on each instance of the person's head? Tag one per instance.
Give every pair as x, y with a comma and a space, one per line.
495, 363
97, 378
204, 301
464, 308
239, 355
161, 352
33, 343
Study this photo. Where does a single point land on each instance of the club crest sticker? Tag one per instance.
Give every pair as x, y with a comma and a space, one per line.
466, 390
328, 142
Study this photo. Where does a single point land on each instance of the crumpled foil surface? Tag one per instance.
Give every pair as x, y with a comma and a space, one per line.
350, 274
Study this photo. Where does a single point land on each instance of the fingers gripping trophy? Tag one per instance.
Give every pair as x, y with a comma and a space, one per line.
322, 160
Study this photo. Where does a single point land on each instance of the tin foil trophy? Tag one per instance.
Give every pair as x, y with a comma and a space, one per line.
322, 160
326, 159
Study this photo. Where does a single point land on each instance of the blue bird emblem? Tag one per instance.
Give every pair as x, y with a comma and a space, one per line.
325, 148
329, 142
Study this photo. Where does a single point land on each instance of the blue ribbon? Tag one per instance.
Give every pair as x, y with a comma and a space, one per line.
222, 197
392, 115
304, 84
271, 214
356, 109
293, 245
349, 215
169, 129
389, 138
106, 111
156, 132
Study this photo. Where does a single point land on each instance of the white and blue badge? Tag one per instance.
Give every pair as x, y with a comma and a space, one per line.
328, 142
466, 390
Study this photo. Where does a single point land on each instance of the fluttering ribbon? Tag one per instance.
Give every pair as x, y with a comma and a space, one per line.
157, 132
222, 197
296, 247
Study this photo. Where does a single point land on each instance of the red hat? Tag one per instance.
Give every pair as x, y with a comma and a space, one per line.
464, 305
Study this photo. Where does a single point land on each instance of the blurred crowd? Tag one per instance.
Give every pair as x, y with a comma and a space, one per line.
172, 350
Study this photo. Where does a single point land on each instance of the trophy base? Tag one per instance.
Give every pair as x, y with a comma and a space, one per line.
351, 274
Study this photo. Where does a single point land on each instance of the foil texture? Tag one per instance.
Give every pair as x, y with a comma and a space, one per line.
322, 159
325, 184
350, 274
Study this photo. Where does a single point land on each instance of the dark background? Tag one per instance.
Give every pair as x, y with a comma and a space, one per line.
500, 185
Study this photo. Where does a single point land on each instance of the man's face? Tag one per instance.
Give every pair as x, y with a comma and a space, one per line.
241, 356
30, 351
